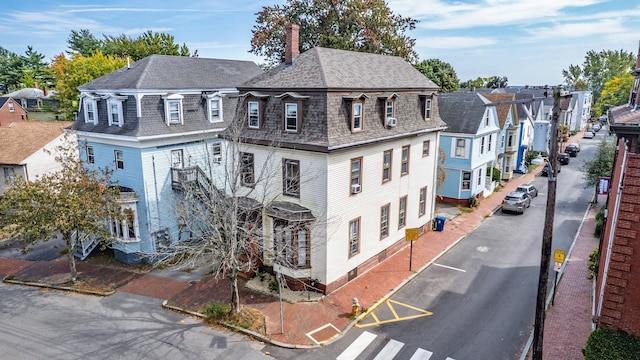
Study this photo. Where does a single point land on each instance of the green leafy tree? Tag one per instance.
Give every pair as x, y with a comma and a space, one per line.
20, 71
83, 42
441, 73
72, 201
497, 82
477, 83
148, 43
600, 166
79, 70
616, 92
358, 25
574, 79
598, 68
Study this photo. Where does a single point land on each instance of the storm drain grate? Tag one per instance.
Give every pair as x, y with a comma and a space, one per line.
323, 334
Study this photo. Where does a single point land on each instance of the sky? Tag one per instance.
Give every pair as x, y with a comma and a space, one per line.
528, 41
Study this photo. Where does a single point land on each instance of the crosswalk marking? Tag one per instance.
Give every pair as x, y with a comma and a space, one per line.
358, 346
421, 354
390, 350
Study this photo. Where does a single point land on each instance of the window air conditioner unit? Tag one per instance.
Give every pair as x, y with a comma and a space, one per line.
217, 159
355, 188
391, 122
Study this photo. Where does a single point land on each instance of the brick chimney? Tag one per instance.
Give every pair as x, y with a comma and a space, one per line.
292, 47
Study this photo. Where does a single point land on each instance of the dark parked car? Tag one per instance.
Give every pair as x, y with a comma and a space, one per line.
572, 150
563, 158
547, 169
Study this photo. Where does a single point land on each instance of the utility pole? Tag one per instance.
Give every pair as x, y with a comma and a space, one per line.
547, 234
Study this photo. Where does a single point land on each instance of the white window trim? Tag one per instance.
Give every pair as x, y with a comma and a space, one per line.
466, 148
211, 98
249, 115
286, 117
353, 116
427, 109
94, 102
11, 108
168, 100
117, 101
128, 204
115, 159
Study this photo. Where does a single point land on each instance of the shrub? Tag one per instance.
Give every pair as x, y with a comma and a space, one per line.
593, 258
274, 286
599, 223
473, 201
216, 311
495, 174
604, 344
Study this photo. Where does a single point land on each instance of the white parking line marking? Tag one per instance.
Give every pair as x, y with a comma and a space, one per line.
358, 346
421, 354
449, 267
390, 350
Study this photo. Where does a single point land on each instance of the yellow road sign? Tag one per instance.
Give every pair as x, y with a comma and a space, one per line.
411, 234
558, 256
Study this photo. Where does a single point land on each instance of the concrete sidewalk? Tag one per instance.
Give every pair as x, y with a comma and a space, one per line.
567, 326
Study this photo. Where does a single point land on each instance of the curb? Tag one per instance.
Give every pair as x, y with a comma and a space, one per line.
58, 287
250, 333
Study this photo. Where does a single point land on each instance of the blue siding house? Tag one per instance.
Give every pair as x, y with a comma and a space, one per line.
155, 122
470, 145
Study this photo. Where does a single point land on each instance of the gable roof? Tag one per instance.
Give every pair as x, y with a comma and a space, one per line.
502, 109
28, 93
164, 72
461, 111
324, 68
24, 138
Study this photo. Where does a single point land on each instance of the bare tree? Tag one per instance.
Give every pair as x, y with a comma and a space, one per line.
221, 211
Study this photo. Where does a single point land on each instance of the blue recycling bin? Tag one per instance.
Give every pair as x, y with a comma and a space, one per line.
440, 223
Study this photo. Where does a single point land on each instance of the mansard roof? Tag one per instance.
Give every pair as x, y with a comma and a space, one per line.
165, 72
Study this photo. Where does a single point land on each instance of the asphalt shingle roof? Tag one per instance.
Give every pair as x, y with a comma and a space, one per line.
324, 68
503, 109
167, 72
24, 138
461, 111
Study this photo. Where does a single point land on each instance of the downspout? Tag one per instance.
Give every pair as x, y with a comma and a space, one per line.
610, 244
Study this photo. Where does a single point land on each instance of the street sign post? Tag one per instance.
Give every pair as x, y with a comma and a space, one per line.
558, 257
411, 234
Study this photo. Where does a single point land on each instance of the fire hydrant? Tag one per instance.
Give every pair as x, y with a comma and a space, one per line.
355, 307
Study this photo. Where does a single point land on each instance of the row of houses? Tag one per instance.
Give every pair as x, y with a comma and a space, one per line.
352, 143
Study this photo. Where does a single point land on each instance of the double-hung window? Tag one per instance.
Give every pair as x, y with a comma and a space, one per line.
389, 108
427, 109
173, 109
354, 237
291, 177
426, 145
119, 159
247, 171
422, 204
461, 148
466, 180
386, 165
357, 117
216, 153
215, 109
384, 221
11, 109
482, 141
402, 212
114, 107
489, 142
291, 117
404, 166
8, 171
90, 110
90, 156
479, 177
356, 175
253, 114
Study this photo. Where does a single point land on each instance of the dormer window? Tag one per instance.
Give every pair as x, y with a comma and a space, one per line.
356, 110
173, 109
114, 109
90, 110
357, 117
426, 100
214, 107
291, 117
292, 111
389, 110
253, 113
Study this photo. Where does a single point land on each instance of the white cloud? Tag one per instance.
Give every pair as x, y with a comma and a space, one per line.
453, 42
